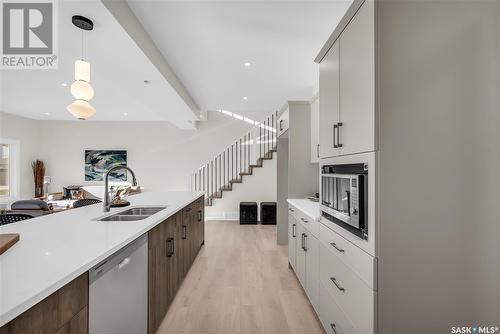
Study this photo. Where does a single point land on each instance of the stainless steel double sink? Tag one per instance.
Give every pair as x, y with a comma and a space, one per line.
133, 214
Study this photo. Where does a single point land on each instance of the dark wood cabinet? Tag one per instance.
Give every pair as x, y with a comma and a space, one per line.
63, 312
163, 280
173, 246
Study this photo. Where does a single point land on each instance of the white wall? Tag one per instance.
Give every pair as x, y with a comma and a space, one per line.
26, 131
161, 155
259, 187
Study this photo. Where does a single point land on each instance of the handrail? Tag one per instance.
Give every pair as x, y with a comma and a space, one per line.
236, 160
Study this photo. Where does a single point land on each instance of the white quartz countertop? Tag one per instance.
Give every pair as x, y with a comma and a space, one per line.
55, 249
307, 206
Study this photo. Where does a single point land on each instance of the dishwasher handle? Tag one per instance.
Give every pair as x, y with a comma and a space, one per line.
118, 260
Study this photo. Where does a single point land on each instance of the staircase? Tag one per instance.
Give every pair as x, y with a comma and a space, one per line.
237, 162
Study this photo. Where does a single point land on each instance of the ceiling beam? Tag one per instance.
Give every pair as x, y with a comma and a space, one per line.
127, 19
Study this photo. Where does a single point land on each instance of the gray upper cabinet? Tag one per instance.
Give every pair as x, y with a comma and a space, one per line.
357, 83
347, 89
329, 95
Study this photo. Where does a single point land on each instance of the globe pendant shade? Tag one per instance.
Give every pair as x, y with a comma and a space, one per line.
82, 71
81, 109
82, 90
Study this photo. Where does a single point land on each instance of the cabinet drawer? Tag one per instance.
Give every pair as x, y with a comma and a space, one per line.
351, 293
309, 224
355, 258
332, 317
293, 211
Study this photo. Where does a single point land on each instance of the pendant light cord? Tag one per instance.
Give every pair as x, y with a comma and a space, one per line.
82, 46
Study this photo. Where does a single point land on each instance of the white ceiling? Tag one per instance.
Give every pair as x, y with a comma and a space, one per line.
119, 68
207, 43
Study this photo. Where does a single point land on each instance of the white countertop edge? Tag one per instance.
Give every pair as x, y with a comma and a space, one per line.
308, 207
7, 316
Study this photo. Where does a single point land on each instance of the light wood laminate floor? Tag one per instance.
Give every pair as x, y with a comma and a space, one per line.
240, 283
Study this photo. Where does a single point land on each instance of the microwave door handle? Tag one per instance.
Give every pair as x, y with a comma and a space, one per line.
348, 194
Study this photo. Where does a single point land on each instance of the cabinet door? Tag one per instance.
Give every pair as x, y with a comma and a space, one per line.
157, 276
312, 269
283, 122
172, 257
329, 95
315, 131
357, 83
300, 261
292, 241
200, 223
184, 241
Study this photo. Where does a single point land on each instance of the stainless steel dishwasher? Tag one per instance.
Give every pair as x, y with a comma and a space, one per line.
118, 291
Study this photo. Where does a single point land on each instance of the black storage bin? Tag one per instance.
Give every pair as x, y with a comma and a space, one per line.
248, 213
268, 213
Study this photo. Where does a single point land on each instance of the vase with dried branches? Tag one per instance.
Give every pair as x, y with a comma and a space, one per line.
38, 174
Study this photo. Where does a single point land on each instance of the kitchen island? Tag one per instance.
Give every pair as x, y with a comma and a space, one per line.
56, 252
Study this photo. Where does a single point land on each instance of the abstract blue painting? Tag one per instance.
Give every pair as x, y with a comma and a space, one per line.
98, 162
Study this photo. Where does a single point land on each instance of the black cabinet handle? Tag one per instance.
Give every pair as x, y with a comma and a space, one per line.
317, 151
293, 230
338, 134
335, 126
334, 280
173, 246
170, 251
334, 328
184, 232
281, 122
199, 215
334, 245
305, 242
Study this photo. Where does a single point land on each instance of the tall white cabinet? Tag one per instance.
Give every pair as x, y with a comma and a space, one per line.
402, 85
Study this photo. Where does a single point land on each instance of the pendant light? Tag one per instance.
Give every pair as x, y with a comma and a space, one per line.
81, 89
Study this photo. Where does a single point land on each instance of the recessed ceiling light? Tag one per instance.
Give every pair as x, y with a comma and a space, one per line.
64, 84
147, 82
245, 98
46, 113
125, 114
247, 64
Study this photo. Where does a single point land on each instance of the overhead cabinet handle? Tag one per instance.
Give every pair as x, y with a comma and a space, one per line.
317, 151
293, 230
335, 126
305, 242
281, 122
184, 232
334, 328
199, 215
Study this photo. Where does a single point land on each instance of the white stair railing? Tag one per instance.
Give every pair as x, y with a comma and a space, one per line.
237, 160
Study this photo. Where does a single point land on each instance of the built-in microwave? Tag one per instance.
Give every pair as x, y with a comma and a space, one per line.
344, 197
